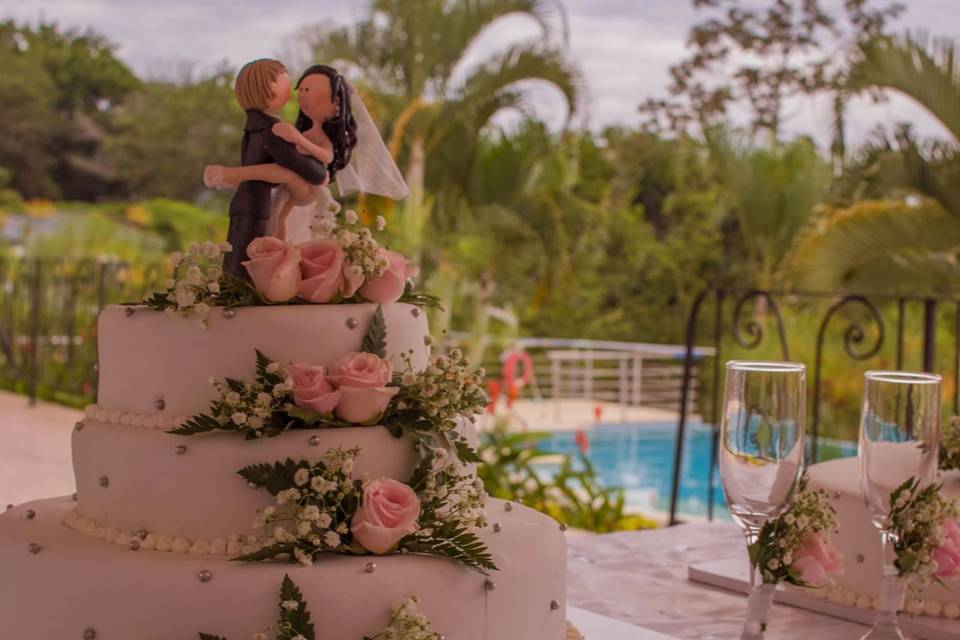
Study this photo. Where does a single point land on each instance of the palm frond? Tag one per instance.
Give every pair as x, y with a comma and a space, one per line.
881, 246
927, 71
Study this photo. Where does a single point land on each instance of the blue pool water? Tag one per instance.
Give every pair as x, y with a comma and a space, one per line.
639, 458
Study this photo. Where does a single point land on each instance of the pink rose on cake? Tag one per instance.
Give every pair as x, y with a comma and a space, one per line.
947, 554
362, 379
274, 267
389, 287
311, 388
816, 560
321, 264
389, 512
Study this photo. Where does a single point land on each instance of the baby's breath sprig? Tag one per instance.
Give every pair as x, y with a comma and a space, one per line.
196, 283
917, 514
361, 248
407, 623
315, 502
783, 541
294, 622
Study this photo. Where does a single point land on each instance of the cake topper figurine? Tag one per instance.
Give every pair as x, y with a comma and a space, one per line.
262, 89
334, 139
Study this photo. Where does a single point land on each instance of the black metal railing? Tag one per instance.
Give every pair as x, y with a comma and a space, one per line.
862, 339
48, 316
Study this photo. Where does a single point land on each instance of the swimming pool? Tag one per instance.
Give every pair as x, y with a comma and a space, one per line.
639, 458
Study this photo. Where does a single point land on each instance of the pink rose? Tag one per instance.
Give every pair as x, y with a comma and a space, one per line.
321, 263
389, 287
361, 371
947, 554
363, 378
816, 560
311, 389
364, 406
389, 512
274, 267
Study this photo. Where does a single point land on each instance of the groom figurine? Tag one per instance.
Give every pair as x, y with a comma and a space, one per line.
263, 88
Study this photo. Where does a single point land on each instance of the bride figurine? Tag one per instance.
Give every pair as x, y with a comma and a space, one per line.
334, 127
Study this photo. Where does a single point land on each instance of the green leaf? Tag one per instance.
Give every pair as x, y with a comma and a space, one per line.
466, 453
452, 540
266, 553
200, 423
375, 341
299, 618
273, 477
420, 299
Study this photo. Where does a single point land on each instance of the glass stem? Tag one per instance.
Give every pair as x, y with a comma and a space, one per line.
892, 589
759, 600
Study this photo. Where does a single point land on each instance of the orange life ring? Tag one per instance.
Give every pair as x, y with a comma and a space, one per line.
510, 364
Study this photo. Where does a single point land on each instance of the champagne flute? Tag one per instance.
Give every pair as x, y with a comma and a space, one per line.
761, 457
899, 439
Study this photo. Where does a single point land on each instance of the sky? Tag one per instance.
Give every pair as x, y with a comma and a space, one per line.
624, 47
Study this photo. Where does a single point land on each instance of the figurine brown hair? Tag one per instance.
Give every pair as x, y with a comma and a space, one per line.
254, 86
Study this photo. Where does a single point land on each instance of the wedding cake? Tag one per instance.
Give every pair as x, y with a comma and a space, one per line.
859, 543
280, 424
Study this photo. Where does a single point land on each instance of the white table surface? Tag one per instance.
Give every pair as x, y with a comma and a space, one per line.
641, 578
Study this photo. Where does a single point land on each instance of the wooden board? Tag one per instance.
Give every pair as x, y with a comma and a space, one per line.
731, 575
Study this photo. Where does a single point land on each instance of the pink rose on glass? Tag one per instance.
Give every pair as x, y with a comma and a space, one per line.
311, 388
816, 560
389, 287
389, 512
321, 263
947, 554
362, 379
274, 267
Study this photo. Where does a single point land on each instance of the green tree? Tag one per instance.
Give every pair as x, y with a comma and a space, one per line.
57, 93
412, 56
165, 133
911, 241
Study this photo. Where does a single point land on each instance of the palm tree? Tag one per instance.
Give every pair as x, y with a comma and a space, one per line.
773, 190
915, 237
413, 56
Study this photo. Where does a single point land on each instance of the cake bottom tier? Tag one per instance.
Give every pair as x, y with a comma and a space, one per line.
57, 584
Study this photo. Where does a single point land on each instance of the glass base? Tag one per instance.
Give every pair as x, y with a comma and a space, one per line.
886, 628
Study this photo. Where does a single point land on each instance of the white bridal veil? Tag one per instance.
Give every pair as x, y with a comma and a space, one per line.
371, 168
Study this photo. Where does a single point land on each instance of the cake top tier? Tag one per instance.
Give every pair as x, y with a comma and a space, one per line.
151, 361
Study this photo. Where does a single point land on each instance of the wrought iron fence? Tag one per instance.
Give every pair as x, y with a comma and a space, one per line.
48, 317
740, 322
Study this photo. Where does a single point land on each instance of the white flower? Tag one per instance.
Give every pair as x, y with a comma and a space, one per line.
213, 287
302, 557
351, 217
304, 529
185, 297
324, 520
176, 258
259, 636
321, 485
301, 477
195, 276
273, 367
201, 309
232, 398
290, 605
211, 250
381, 223
239, 418
331, 539
311, 513
264, 399
256, 422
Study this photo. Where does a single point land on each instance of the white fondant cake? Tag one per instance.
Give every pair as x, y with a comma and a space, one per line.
155, 512
859, 541
74, 583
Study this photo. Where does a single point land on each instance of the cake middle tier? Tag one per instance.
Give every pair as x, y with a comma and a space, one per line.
150, 361
133, 478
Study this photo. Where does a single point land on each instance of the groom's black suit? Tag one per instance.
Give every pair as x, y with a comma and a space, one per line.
250, 206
